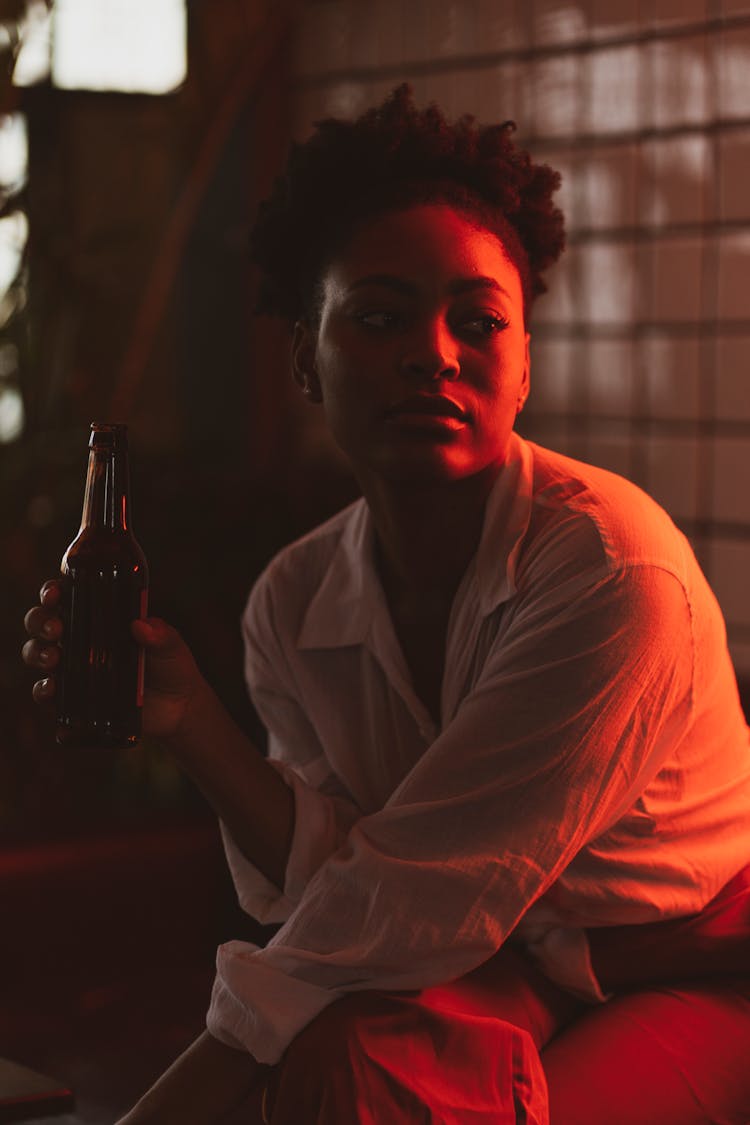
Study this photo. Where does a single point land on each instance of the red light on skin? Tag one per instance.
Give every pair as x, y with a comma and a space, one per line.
430, 422
430, 412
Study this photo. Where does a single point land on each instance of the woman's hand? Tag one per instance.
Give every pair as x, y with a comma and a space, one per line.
172, 679
180, 708
44, 626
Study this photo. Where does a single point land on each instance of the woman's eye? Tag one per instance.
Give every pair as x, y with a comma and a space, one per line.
486, 325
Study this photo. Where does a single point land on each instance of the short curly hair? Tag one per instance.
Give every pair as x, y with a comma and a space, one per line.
393, 156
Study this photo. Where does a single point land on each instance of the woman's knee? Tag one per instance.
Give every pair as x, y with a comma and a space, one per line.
374, 1057
341, 1027
325, 1073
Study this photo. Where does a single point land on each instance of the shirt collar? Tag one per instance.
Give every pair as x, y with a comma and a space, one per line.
350, 595
341, 611
506, 520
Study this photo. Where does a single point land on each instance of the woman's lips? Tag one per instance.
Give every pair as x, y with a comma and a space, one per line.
421, 420
428, 411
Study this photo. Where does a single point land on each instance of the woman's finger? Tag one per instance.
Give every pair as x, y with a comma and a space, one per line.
43, 690
49, 595
39, 622
38, 655
154, 633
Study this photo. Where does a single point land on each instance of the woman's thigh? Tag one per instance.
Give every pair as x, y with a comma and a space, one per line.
464, 1053
664, 1056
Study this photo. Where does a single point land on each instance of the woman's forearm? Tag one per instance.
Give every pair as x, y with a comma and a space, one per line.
248, 794
201, 1087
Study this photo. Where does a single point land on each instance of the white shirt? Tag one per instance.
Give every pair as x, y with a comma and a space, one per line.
591, 767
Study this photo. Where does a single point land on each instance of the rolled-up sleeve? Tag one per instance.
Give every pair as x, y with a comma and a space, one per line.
321, 824
574, 713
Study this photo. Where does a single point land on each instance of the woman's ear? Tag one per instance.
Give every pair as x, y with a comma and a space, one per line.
304, 371
525, 381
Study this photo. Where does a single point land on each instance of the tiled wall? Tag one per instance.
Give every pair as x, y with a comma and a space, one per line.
641, 348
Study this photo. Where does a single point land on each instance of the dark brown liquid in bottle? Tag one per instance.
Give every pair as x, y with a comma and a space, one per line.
105, 583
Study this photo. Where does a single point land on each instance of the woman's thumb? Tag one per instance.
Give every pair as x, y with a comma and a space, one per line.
153, 632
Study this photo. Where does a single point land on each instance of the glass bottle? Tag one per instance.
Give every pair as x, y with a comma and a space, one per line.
99, 689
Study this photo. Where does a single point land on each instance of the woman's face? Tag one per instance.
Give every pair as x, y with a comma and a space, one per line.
420, 356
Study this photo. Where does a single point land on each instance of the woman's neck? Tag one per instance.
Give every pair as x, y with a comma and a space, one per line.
425, 537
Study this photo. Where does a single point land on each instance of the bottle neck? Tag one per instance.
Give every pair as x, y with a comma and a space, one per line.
106, 503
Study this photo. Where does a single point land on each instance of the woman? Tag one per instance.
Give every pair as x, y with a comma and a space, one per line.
506, 743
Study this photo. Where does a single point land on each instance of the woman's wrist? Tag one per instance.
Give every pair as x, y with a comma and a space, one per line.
203, 713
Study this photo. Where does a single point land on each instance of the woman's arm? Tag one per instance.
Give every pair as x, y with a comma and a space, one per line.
249, 794
201, 1087
570, 719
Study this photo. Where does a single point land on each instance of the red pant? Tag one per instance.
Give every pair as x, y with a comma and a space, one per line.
441, 1055
503, 1045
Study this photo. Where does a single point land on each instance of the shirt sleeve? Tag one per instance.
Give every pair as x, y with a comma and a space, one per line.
574, 714
323, 809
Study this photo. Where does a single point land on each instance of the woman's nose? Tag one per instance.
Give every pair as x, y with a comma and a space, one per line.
431, 353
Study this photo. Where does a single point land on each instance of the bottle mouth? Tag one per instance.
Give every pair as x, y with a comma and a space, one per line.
108, 435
